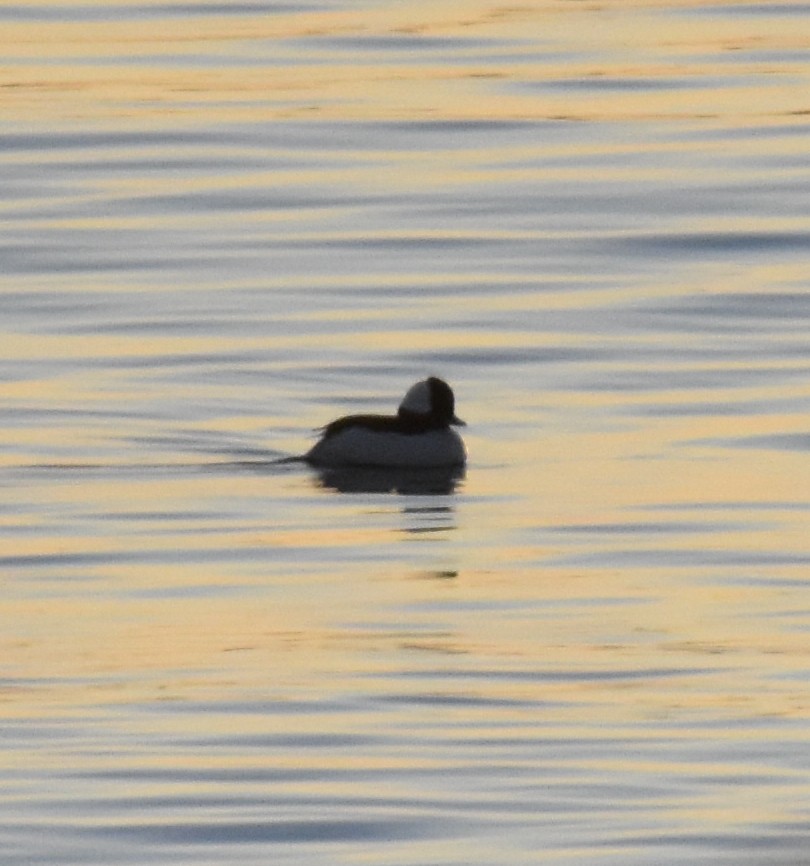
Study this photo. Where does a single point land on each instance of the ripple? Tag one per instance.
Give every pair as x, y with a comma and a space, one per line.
225, 223
799, 442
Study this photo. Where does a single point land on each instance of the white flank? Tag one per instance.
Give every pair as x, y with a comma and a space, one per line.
359, 446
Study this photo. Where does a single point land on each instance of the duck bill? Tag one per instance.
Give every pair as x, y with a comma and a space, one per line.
457, 422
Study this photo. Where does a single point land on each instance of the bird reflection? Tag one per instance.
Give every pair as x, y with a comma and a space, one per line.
441, 481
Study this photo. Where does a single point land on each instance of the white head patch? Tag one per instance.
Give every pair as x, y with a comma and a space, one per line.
418, 399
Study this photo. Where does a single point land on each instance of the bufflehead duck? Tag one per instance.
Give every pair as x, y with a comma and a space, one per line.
418, 436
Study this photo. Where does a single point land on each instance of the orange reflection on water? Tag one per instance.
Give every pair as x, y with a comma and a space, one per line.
623, 568
392, 62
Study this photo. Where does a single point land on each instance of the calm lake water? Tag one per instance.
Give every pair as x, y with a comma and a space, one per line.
226, 223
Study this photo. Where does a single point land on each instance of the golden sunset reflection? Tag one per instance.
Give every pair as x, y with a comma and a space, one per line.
226, 224
327, 64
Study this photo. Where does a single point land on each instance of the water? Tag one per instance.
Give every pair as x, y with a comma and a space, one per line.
224, 224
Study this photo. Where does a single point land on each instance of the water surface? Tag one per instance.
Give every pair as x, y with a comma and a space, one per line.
225, 224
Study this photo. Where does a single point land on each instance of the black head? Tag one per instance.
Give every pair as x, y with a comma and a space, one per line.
431, 399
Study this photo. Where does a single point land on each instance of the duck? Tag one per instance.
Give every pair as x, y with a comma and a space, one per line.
419, 436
